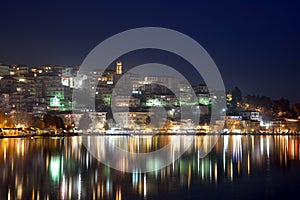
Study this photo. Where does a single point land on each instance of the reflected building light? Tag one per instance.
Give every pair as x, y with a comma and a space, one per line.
198, 162
293, 149
239, 168
70, 188
98, 190
135, 177
63, 188
19, 191
4, 154
173, 163
16, 181
268, 146
224, 161
47, 162
202, 170
237, 148
107, 187
216, 172
88, 141
22, 148
248, 164
261, 146
32, 194
140, 186
156, 174
79, 186
96, 176
252, 143
226, 138
8, 194
287, 141
231, 170
55, 168
210, 171
145, 185
189, 175
87, 160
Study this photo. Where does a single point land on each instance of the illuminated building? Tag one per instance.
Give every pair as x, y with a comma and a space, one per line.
204, 99
57, 96
69, 117
119, 67
126, 101
4, 70
168, 82
8, 84
251, 115
4, 102
21, 69
285, 126
200, 89
133, 120
233, 123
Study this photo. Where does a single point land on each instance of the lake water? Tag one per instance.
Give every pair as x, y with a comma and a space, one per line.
238, 167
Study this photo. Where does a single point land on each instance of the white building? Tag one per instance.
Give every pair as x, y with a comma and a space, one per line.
251, 115
132, 120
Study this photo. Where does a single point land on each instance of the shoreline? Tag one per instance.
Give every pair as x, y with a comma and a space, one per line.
147, 135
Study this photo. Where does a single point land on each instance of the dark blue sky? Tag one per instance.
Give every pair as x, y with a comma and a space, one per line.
255, 44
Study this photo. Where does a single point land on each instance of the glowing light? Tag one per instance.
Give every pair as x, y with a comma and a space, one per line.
55, 102
55, 168
145, 186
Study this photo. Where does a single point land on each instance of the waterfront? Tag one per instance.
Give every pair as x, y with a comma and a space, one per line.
238, 167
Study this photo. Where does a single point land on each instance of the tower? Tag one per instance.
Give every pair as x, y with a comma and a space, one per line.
119, 67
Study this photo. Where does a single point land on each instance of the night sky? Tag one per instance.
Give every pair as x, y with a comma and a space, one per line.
255, 44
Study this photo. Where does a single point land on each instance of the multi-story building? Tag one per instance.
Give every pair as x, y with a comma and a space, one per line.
125, 101
132, 120
233, 123
8, 84
4, 70
21, 69
251, 115
57, 96
4, 103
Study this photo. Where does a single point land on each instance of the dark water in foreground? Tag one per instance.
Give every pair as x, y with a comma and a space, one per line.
238, 167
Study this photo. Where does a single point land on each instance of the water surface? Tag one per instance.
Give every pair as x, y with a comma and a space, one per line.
238, 167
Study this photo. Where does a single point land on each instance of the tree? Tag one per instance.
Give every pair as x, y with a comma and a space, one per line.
282, 108
84, 122
296, 109
59, 123
53, 122
36, 122
49, 121
105, 126
236, 99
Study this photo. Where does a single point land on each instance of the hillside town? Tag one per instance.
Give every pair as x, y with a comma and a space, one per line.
39, 100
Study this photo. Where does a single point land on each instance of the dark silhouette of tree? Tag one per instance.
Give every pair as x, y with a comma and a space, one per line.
236, 100
59, 123
53, 122
36, 122
49, 121
282, 108
105, 127
84, 122
296, 109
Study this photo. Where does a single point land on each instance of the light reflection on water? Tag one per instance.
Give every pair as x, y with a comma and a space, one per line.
237, 167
